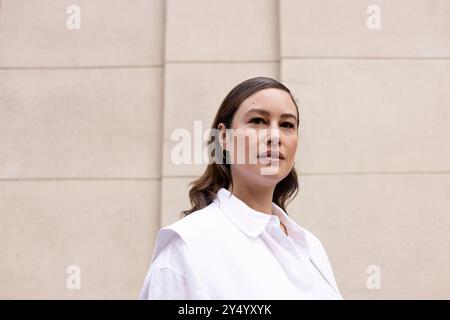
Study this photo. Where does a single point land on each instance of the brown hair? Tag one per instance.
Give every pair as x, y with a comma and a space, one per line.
218, 174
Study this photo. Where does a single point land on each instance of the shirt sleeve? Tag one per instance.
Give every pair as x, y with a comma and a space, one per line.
172, 275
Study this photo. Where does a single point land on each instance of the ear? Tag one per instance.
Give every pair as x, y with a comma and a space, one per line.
222, 136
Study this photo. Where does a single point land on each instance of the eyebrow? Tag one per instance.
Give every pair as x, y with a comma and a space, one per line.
265, 112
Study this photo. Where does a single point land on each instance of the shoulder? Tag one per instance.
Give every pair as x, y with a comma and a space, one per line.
200, 222
171, 250
172, 275
200, 218
316, 248
313, 241
320, 258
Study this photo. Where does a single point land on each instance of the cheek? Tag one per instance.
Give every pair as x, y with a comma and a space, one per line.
245, 141
291, 145
244, 148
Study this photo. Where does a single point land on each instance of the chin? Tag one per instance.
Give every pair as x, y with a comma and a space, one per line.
271, 180
273, 171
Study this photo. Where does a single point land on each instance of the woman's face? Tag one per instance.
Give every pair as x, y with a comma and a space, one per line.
265, 122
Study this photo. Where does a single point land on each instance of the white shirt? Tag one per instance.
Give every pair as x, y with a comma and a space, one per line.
228, 250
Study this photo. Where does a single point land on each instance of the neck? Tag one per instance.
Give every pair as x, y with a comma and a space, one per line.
256, 197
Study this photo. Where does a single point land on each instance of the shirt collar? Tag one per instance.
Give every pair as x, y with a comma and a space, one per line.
253, 222
250, 221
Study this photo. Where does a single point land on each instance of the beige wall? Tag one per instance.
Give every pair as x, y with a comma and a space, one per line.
86, 116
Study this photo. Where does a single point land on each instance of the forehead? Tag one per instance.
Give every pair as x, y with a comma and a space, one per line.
276, 101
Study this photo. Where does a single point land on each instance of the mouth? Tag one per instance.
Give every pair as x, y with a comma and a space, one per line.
272, 155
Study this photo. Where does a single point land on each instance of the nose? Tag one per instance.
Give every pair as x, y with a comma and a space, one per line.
273, 138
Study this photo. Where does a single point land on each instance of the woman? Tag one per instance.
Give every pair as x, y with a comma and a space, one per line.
237, 241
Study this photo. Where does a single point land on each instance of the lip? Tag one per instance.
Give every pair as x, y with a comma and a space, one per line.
268, 154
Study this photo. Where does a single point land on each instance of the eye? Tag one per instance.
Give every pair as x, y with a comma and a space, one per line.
289, 125
257, 120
